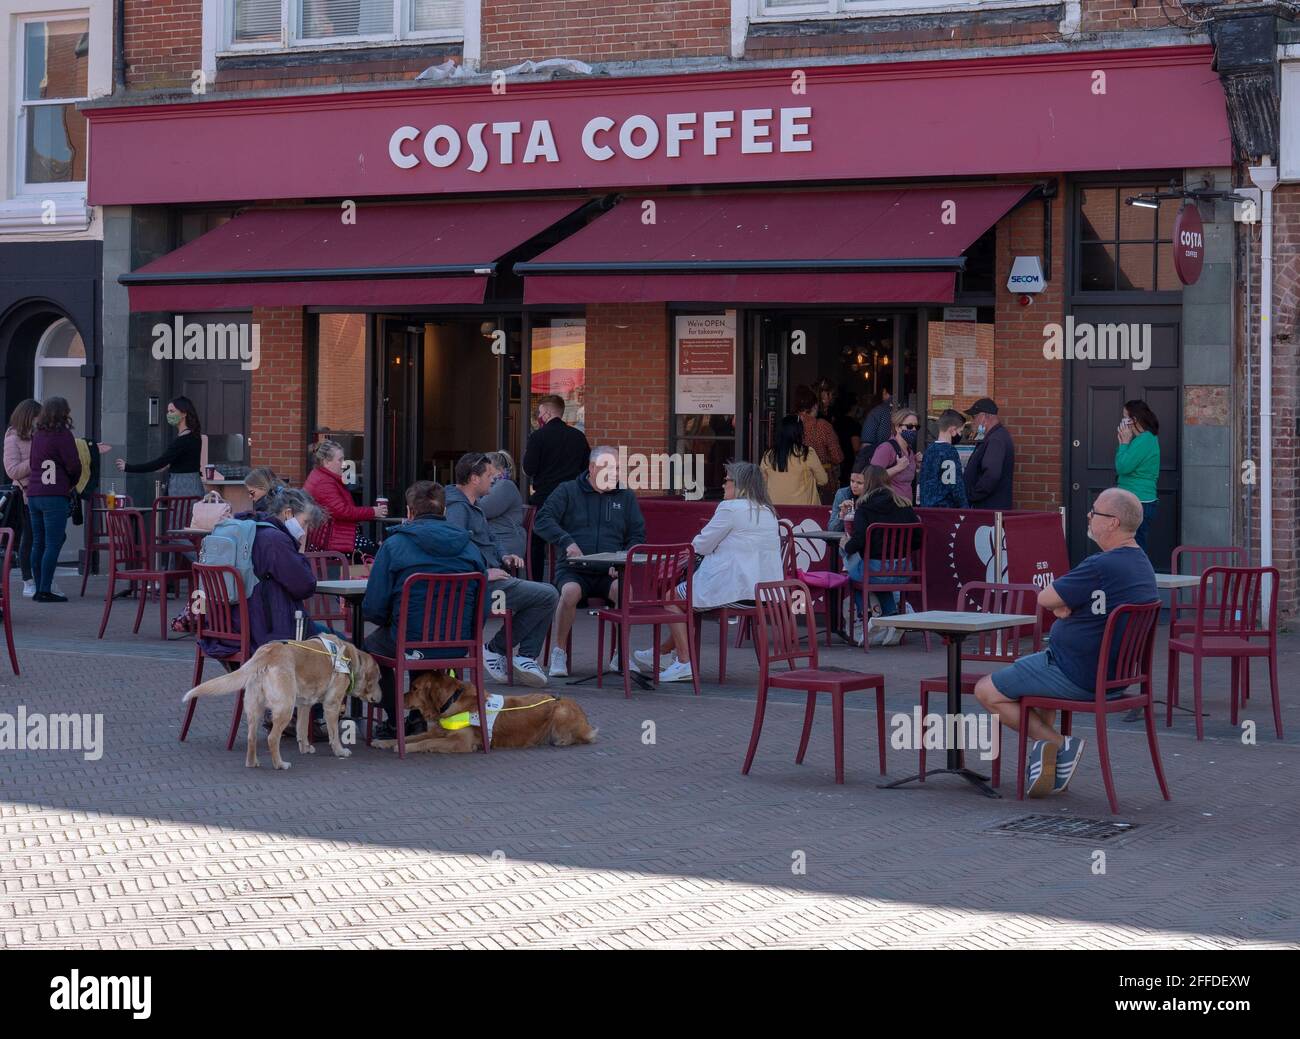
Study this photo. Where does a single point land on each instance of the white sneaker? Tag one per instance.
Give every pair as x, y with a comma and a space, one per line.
496, 666
29, 589
559, 663
645, 659
613, 667
528, 672
677, 671
877, 634
857, 631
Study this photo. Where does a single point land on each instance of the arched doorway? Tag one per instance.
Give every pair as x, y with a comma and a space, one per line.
60, 354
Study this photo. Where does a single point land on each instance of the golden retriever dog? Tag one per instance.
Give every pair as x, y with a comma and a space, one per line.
282, 674
533, 720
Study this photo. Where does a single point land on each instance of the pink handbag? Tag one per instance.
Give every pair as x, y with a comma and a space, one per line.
210, 511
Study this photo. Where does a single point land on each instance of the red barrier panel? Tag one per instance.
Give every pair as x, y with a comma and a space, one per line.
958, 542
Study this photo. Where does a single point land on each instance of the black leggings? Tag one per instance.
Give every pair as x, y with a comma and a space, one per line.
25, 538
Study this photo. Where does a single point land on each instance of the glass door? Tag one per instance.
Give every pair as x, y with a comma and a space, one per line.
398, 414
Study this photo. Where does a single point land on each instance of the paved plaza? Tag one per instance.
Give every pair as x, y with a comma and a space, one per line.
649, 837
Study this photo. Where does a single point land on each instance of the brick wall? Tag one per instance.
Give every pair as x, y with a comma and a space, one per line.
1286, 385
164, 41
627, 376
617, 30
1031, 389
279, 392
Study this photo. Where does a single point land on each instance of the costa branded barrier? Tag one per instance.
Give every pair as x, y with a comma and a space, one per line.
959, 543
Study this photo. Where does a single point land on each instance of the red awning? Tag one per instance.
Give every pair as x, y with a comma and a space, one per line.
392, 255
901, 245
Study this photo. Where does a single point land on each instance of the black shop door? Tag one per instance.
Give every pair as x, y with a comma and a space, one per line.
1098, 390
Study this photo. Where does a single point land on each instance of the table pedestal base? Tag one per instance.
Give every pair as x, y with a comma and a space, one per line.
979, 782
638, 679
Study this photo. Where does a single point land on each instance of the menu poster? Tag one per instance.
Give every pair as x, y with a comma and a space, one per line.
705, 364
975, 377
943, 375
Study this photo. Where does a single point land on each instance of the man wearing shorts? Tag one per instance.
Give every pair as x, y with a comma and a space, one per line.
1082, 600
582, 517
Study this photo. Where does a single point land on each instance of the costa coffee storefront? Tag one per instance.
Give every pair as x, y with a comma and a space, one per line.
673, 255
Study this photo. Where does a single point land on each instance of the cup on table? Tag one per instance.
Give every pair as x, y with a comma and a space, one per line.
110, 499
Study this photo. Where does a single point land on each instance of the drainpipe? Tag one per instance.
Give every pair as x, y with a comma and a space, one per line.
119, 47
1264, 177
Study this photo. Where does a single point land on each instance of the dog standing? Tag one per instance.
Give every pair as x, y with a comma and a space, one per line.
534, 720
282, 674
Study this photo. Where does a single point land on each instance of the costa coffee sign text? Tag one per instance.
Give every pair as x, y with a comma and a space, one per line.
751, 131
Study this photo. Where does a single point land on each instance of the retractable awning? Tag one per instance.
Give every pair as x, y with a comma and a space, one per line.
390, 255
901, 245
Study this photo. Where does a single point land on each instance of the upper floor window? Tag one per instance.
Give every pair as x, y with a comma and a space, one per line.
52, 75
315, 23
790, 10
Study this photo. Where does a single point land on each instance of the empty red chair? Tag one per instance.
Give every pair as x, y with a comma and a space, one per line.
902, 555
989, 647
1196, 559
172, 512
778, 641
1134, 626
6, 603
646, 590
447, 605
223, 603
129, 561
328, 609
823, 582
1228, 625
97, 532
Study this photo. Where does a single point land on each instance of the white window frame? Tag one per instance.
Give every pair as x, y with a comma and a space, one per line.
63, 190
223, 22
832, 10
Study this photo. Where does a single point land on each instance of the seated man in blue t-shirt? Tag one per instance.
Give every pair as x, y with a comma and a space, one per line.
1120, 573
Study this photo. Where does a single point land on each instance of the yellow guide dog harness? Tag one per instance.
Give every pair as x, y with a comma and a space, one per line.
338, 658
495, 706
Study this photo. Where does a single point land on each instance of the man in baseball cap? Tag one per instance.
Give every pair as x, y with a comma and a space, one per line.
990, 469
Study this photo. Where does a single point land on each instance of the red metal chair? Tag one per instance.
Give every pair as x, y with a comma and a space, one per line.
1132, 667
97, 533
746, 616
902, 554
647, 588
1228, 624
821, 580
446, 600
1196, 559
777, 640
223, 603
172, 513
6, 603
990, 647
329, 566
129, 561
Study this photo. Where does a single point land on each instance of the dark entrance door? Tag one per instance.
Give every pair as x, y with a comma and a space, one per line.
221, 392
1098, 392
398, 418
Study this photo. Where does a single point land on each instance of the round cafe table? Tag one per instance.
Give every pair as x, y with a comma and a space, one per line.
606, 561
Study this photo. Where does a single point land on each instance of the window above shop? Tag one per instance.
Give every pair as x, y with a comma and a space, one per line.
53, 66
1123, 248
260, 25
798, 10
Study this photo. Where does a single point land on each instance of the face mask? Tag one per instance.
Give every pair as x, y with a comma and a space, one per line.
173, 418
979, 433
294, 527
909, 437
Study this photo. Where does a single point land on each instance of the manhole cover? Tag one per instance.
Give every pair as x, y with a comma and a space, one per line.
1064, 826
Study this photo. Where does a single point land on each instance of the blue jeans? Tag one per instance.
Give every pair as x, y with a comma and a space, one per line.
888, 601
1149, 510
49, 514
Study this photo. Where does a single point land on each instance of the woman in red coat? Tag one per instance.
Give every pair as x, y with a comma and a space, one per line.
325, 485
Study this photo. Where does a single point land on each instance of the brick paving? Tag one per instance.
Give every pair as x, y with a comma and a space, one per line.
622, 844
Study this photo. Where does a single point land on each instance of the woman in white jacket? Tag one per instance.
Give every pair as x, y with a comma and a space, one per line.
741, 546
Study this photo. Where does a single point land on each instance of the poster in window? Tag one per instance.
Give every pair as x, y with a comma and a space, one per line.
705, 364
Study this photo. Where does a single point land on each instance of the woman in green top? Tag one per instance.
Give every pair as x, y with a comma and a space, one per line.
1137, 460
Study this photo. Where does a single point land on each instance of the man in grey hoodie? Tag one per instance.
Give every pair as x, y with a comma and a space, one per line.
581, 517
531, 603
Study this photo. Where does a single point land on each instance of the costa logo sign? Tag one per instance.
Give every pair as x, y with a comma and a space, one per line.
1189, 244
749, 131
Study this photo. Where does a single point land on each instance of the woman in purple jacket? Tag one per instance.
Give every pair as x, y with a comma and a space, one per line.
55, 469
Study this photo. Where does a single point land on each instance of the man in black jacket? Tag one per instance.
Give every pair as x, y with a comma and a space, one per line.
584, 516
990, 469
555, 452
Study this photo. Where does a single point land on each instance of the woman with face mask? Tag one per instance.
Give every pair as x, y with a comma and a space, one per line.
1137, 461
183, 457
897, 455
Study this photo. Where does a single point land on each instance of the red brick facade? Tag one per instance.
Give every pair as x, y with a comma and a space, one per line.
627, 376
1031, 387
279, 394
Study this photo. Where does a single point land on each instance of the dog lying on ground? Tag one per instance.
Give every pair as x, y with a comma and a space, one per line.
282, 674
534, 720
